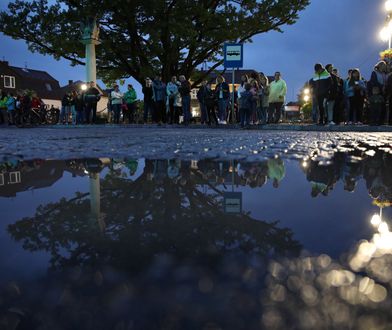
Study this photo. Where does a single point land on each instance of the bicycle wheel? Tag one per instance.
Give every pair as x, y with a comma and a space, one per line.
35, 118
51, 117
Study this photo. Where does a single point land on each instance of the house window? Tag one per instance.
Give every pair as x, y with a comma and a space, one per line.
9, 82
14, 177
48, 87
2, 179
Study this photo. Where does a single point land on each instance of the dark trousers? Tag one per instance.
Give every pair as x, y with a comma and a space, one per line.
116, 108
274, 111
148, 109
245, 115
131, 112
172, 110
321, 109
186, 109
356, 108
390, 112
91, 108
211, 114
160, 112
204, 114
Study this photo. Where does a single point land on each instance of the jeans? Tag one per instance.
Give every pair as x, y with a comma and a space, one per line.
245, 114
64, 114
116, 108
73, 112
186, 108
330, 105
222, 107
79, 117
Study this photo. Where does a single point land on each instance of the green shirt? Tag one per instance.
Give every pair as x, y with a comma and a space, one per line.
130, 96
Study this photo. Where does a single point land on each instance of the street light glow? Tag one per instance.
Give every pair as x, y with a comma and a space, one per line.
376, 220
306, 98
384, 34
388, 5
84, 87
306, 91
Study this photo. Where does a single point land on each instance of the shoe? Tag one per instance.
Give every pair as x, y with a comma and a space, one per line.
331, 123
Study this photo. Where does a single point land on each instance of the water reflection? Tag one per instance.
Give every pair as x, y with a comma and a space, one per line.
169, 244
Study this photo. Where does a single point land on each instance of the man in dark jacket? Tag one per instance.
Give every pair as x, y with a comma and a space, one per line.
185, 92
321, 85
91, 97
148, 100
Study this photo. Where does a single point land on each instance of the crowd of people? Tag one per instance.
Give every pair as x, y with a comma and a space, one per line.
257, 101
352, 100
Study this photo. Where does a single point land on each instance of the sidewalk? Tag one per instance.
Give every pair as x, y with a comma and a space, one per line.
270, 127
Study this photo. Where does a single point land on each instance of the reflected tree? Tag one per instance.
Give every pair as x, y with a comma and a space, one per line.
152, 215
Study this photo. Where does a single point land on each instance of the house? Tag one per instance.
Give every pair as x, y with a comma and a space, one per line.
102, 106
15, 80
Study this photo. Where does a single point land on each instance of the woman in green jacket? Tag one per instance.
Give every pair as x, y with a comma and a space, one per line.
130, 100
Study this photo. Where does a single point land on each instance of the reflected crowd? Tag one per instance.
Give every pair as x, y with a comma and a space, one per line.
152, 245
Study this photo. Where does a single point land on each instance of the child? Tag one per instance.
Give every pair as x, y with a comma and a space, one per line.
376, 103
246, 105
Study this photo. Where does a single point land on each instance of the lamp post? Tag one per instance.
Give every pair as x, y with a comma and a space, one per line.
90, 38
386, 31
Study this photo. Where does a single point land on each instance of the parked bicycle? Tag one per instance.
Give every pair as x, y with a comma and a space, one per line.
37, 116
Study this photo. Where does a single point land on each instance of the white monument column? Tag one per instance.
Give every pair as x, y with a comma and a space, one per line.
90, 39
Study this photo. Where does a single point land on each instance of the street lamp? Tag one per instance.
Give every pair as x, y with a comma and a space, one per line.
388, 5
386, 31
306, 93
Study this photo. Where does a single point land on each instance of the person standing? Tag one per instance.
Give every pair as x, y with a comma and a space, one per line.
321, 86
276, 99
332, 96
379, 78
185, 91
388, 95
65, 108
148, 101
339, 103
246, 106
355, 89
210, 102
79, 108
159, 96
201, 97
74, 96
117, 100
222, 91
172, 91
11, 108
3, 106
264, 99
92, 97
130, 98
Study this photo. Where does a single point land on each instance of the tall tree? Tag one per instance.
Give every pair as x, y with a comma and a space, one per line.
141, 37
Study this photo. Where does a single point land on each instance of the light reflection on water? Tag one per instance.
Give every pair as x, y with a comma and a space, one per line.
198, 244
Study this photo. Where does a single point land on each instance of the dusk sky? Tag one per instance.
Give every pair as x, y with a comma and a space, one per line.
342, 32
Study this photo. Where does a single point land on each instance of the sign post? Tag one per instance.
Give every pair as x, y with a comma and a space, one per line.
234, 59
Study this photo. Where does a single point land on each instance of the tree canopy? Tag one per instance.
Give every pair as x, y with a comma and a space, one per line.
143, 38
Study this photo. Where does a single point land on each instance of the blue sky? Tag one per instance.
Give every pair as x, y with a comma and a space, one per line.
342, 32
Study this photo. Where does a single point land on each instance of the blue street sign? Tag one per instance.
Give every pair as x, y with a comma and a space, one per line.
233, 56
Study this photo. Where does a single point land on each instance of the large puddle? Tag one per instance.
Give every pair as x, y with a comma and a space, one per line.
209, 244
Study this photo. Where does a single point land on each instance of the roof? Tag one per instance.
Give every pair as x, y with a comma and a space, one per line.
77, 85
33, 74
